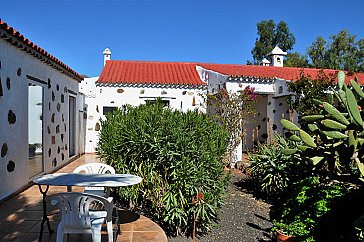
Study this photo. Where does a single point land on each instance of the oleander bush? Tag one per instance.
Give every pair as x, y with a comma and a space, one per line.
178, 155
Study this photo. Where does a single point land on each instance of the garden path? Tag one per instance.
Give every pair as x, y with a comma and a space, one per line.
243, 218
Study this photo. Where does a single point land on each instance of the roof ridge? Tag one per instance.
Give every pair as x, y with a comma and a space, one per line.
153, 61
10, 30
231, 64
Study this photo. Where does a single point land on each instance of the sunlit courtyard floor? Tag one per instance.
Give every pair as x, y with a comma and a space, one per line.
21, 215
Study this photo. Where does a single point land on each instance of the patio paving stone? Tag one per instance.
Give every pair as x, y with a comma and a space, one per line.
21, 215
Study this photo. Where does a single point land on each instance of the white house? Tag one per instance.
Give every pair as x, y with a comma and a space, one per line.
42, 112
180, 84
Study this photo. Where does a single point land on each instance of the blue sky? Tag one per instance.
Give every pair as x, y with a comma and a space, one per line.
214, 31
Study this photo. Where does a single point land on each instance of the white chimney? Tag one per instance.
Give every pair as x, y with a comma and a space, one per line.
276, 57
107, 55
265, 62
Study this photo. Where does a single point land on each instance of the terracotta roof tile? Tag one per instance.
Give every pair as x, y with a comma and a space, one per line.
41, 52
148, 72
286, 73
185, 73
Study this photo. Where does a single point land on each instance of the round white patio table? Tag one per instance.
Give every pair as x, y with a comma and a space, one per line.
81, 180
87, 180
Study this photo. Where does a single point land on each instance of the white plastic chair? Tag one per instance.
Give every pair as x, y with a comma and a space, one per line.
96, 168
77, 217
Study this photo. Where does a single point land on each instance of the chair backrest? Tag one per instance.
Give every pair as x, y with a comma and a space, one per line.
95, 168
75, 207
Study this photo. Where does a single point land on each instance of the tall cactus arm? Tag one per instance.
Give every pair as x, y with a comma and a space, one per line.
307, 139
353, 107
357, 88
333, 124
336, 114
341, 79
289, 125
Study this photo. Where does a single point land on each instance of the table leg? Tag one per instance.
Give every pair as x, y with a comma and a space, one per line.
117, 217
45, 217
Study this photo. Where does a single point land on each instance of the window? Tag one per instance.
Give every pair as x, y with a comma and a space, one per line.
280, 90
106, 110
164, 102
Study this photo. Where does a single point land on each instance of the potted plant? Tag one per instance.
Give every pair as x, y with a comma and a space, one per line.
283, 232
308, 201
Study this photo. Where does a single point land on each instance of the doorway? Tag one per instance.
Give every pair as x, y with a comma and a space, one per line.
72, 126
35, 130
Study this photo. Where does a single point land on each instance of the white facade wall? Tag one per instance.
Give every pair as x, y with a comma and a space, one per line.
256, 129
17, 67
99, 97
214, 80
270, 107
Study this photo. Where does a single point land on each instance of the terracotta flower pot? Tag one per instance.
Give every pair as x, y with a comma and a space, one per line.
281, 237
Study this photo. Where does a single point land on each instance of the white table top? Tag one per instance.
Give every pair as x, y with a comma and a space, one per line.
85, 180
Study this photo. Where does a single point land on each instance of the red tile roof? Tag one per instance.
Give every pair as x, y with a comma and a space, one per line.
180, 73
286, 73
21, 42
148, 72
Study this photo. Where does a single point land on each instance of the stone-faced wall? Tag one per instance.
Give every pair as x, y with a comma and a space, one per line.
17, 69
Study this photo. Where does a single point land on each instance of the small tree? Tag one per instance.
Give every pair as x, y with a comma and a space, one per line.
295, 59
306, 90
341, 52
232, 110
271, 35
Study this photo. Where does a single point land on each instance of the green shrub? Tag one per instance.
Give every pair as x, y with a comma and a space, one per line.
178, 155
308, 201
272, 169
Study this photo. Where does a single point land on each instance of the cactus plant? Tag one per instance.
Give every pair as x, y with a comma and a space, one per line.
335, 135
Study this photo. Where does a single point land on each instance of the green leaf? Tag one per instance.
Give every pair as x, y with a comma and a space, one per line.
352, 141
289, 125
303, 147
330, 97
360, 166
361, 141
353, 107
337, 144
294, 138
307, 139
342, 95
333, 124
313, 127
289, 151
336, 114
316, 101
312, 118
335, 134
341, 79
357, 88
315, 160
